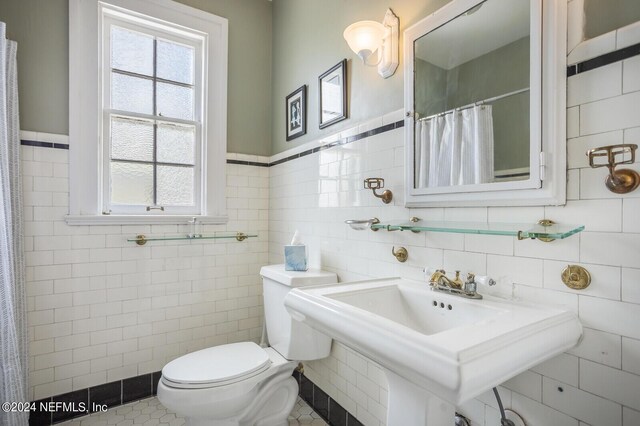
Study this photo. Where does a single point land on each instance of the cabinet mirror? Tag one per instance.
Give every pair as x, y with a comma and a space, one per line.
484, 94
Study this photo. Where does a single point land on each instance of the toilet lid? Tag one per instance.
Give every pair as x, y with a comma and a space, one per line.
219, 364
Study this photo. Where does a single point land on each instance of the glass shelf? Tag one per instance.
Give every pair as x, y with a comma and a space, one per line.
239, 236
522, 231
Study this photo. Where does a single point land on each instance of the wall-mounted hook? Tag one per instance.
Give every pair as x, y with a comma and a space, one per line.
619, 181
378, 183
401, 254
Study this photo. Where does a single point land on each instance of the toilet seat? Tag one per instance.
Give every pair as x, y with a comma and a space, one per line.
248, 399
216, 366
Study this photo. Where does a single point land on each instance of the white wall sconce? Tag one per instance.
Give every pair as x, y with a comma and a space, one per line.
367, 37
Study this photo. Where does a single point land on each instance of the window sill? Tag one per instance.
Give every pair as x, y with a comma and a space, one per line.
141, 220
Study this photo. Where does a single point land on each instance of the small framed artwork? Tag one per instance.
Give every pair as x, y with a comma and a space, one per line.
296, 114
333, 95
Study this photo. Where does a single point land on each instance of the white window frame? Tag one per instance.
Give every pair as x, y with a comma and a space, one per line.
89, 21
171, 34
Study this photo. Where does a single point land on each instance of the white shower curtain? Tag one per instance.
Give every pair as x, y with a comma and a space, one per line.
455, 148
13, 330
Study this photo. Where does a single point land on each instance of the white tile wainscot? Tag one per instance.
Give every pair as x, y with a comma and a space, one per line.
103, 309
600, 378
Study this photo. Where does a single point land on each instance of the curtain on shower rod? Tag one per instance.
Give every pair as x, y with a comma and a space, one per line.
455, 148
13, 330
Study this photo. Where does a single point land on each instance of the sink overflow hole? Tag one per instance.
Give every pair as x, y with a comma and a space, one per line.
442, 305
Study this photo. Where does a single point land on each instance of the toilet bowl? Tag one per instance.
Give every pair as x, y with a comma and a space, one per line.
242, 384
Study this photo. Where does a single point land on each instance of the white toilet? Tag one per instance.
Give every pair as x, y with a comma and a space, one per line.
242, 384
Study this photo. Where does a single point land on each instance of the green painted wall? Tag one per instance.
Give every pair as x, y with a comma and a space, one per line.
41, 29
439, 90
430, 90
307, 37
307, 40
481, 79
603, 16
273, 49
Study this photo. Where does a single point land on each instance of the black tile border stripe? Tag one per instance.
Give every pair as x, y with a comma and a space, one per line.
325, 406
602, 60
342, 141
132, 389
41, 144
110, 394
248, 163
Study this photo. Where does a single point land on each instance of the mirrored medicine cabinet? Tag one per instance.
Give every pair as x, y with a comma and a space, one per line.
485, 102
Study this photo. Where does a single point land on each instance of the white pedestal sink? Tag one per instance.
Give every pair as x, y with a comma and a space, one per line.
437, 349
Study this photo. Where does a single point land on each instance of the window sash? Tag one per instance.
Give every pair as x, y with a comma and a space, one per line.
110, 207
152, 78
155, 209
198, 89
86, 25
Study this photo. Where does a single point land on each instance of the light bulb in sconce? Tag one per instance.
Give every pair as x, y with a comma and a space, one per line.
367, 37
364, 38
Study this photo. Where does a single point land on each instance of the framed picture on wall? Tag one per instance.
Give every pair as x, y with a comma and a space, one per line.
333, 94
296, 113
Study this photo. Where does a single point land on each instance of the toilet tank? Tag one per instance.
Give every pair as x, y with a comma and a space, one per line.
292, 339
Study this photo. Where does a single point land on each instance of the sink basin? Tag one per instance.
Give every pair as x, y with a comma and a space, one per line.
403, 302
436, 349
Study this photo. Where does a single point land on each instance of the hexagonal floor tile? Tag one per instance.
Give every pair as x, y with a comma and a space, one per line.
149, 412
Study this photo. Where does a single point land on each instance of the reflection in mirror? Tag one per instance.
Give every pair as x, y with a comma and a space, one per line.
332, 108
333, 95
471, 97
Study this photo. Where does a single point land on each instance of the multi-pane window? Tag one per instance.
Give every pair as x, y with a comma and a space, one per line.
151, 120
147, 113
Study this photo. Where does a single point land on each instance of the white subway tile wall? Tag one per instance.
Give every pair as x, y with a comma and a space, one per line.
103, 309
600, 378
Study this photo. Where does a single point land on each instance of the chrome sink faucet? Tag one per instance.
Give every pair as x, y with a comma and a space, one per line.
439, 281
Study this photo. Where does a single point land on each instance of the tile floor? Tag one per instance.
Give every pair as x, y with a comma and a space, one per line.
149, 412
302, 414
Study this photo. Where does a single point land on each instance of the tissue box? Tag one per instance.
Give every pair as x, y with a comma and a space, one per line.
295, 258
